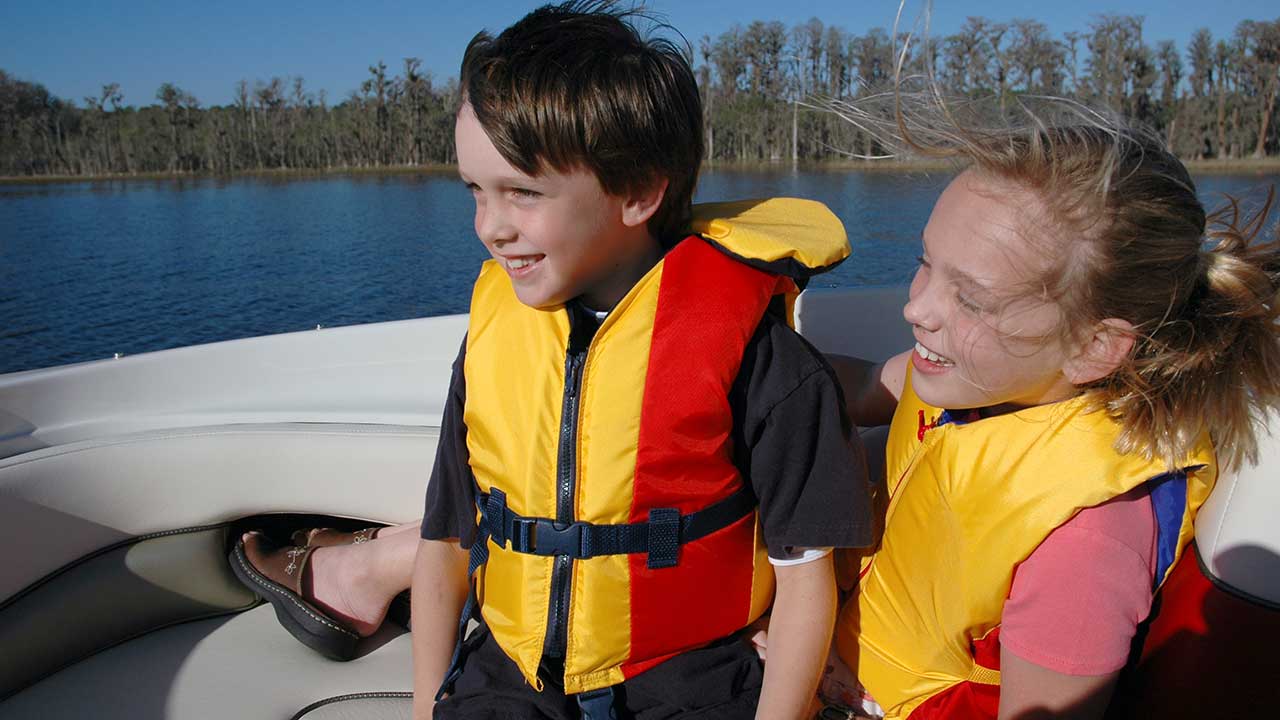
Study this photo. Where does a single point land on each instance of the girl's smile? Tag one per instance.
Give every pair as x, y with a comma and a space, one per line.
929, 362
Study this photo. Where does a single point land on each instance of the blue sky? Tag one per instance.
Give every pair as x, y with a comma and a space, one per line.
73, 47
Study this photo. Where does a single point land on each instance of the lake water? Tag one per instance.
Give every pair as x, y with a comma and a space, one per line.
95, 268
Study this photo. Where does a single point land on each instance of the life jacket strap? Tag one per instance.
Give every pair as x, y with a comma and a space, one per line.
479, 555
597, 704
660, 537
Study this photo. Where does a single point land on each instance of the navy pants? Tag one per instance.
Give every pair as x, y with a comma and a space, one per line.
718, 682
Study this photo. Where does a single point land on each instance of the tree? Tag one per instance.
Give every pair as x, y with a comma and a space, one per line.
1035, 59
1072, 40
1261, 64
1170, 70
269, 103
378, 86
967, 58
176, 101
1223, 66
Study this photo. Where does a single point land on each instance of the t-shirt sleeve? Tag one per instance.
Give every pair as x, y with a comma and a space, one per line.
804, 463
450, 505
1077, 601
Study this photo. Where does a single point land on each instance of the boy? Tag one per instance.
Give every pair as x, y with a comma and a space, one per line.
630, 415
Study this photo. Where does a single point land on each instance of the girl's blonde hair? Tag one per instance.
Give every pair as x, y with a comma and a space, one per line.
1200, 291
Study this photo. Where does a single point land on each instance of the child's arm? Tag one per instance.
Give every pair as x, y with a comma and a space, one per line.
804, 613
871, 390
440, 587
1030, 691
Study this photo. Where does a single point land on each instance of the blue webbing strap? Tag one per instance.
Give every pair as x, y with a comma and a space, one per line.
597, 704
660, 537
479, 556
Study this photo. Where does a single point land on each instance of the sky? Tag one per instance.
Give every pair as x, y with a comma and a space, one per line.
74, 47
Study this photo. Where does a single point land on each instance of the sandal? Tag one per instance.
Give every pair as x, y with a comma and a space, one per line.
328, 537
276, 576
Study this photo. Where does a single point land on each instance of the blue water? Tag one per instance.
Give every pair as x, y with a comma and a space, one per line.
91, 269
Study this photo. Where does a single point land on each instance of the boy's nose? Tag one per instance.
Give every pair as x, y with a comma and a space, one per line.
493, 228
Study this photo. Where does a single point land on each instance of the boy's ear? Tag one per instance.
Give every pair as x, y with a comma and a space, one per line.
642, 203
1101, 353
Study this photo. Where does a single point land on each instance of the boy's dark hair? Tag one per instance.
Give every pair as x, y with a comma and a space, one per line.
575, 85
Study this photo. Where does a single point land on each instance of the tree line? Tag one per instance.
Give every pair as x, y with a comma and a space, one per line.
1214, 99
389, 121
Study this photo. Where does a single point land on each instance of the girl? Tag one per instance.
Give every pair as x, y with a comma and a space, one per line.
1086, 353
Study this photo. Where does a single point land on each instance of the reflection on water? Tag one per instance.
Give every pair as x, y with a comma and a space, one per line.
88, 269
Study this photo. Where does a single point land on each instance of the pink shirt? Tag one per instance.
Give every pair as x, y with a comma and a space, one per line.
1077, 601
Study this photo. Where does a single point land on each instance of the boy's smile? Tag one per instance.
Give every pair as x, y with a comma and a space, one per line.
559, 235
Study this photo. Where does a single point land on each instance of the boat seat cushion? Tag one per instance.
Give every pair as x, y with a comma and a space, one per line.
238, 667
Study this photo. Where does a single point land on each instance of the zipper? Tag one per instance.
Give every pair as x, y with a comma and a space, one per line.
556, 640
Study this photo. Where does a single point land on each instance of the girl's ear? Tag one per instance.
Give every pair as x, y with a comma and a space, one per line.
641, 204
1101, 353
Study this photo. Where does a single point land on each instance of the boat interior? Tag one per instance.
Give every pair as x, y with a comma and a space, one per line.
123, 482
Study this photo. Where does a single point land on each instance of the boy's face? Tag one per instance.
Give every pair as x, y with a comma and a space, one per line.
558, 235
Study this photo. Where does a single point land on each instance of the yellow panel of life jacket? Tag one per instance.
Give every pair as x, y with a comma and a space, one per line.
968, 503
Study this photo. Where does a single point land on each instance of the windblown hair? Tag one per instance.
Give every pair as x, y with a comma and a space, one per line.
1127, 238
575, 85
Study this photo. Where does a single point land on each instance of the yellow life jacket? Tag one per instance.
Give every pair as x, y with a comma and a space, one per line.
620, 531
968, 502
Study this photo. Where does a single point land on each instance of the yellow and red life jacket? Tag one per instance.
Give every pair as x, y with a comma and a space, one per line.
968, 502
625, 444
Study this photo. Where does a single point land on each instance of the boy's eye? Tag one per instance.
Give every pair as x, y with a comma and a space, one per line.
525, 193
921, 261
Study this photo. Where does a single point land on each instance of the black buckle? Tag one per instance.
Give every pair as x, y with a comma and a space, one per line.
522, 534
551, 540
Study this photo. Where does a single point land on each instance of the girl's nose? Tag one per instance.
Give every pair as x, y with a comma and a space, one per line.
921, 309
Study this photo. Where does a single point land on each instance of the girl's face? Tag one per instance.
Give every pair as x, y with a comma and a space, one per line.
986, 337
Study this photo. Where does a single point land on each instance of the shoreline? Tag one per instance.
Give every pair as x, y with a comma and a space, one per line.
1209, 167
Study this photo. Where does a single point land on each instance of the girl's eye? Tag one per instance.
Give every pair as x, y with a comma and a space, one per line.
968, 304
921, 261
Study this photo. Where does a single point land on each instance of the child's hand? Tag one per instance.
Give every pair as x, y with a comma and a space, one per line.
759, 635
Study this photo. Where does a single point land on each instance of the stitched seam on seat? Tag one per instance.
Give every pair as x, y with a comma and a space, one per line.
100, 552
286, 594
388, 694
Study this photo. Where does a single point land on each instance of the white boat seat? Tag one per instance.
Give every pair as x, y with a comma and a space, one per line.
1236, 531
238, 667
